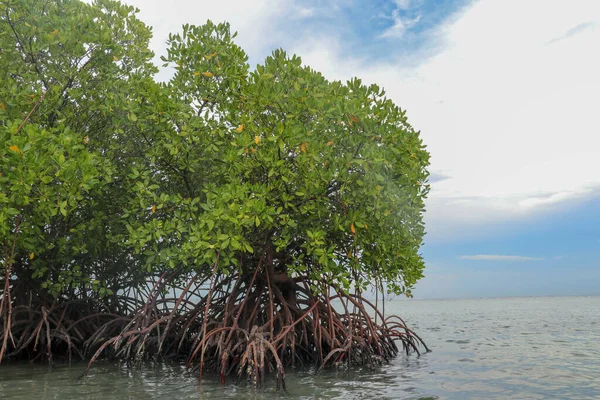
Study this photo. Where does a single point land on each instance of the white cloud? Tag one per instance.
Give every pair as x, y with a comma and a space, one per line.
495, 257
305, 12
403, 4
575, 30
507, 111
400, 25
549, 199
519, 113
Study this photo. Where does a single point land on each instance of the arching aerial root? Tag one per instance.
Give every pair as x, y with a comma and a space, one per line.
243, 325
246, 326
35, 328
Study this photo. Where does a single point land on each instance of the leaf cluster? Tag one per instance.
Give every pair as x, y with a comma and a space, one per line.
116, 176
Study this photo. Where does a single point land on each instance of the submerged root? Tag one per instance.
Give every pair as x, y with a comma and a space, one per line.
251, 326
34, 326
243, 325
36, 329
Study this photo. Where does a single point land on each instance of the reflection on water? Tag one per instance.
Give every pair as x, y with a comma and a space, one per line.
519, 348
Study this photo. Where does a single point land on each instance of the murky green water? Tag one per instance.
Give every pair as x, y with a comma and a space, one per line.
519, 348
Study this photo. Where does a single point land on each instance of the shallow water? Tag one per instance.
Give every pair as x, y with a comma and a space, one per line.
515, 348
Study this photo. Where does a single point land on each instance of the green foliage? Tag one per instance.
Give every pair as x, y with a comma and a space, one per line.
329, 174
115, 175
71, 73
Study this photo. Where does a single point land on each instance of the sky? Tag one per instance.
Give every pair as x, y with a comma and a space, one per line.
505, 94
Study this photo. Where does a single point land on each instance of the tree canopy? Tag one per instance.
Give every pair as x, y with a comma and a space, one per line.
71, 73
108, 175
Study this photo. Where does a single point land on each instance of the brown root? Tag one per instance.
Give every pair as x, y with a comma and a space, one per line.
246, 325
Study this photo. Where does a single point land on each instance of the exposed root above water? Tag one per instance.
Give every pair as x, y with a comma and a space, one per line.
253, 325
242, 325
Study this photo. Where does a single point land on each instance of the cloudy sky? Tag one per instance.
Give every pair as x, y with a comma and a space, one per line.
506, 94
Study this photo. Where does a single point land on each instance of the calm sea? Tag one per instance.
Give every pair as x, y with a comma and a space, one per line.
513, 348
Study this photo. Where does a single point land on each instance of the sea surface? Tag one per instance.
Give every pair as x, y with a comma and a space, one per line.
508, 348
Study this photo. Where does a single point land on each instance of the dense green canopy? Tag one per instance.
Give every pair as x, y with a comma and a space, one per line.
71, 73
107, 175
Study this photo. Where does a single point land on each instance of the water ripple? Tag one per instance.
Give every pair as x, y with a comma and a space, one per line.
520, 348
